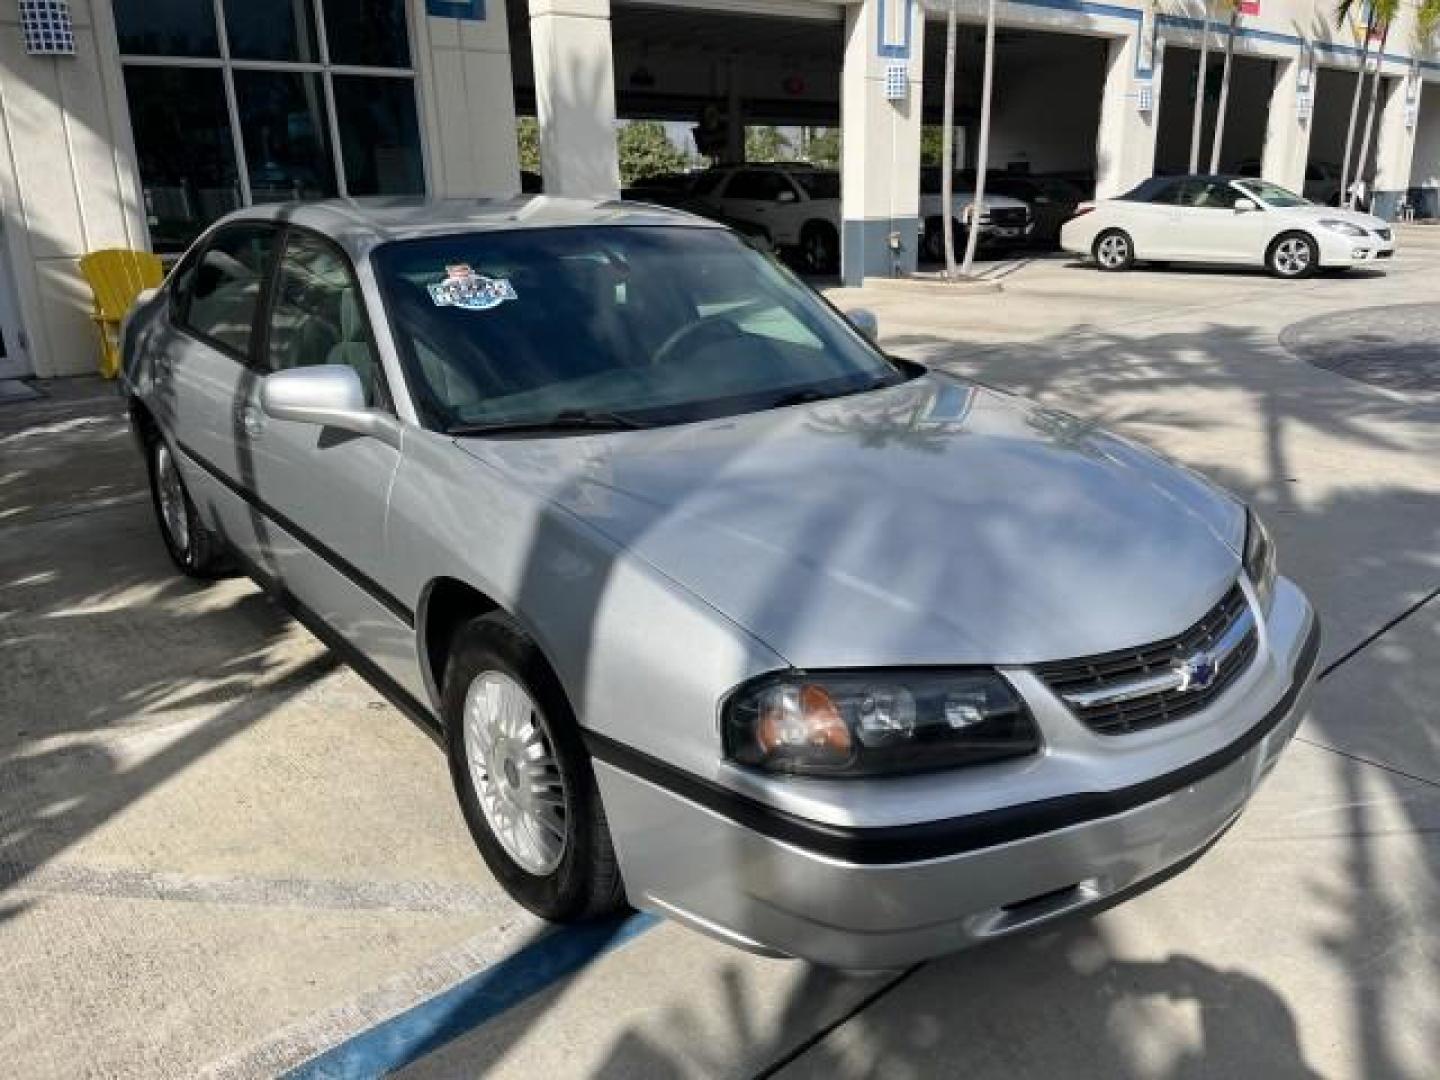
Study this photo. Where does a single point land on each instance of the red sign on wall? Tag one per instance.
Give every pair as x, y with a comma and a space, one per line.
1249, 7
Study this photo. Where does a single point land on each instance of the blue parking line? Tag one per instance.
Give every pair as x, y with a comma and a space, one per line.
412, 1034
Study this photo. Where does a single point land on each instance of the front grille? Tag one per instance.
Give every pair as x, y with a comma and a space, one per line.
1114, 670
1384, 234
1009, 216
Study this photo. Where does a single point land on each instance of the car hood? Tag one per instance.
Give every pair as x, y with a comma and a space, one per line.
930, 523
965, 198
1332, 213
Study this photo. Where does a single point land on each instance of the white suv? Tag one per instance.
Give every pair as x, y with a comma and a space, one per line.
796, 204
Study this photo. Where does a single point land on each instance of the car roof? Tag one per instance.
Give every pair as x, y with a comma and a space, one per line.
361, 224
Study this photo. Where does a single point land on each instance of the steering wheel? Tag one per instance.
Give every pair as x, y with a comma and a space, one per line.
706, 331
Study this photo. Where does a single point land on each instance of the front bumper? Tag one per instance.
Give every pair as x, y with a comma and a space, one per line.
872, 898
1336, 249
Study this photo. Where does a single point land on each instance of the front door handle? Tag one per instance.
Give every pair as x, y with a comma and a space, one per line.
252, 420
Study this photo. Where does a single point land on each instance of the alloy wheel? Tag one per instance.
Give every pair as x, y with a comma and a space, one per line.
1112, 252
171, 490
1292, 256
515, 772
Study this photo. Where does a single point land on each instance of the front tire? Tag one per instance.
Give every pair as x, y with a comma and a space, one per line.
524, 778
819, 248
195, 551
1293, 255
1114, 251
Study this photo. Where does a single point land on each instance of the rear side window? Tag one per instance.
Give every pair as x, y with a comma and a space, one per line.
1171, 194
224, 290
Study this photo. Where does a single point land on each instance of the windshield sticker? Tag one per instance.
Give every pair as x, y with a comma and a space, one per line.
463, 288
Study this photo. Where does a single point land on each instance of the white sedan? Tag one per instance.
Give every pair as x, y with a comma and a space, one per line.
1223, 219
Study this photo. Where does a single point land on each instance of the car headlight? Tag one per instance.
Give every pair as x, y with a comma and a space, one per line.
1342, 227
1259, 559
869, 723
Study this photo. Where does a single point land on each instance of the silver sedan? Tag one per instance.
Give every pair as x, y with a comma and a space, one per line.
717, 609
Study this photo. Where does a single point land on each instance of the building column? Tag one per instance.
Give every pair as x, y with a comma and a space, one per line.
1287, 128
1395, 148
1125, 146
468, 96
880, 157
575, 97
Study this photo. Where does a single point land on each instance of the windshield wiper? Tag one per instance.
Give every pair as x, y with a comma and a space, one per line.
565, 420
809, 394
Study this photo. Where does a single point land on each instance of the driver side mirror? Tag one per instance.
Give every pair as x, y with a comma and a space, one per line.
786, 196
327, 395
864, 320
1246, 206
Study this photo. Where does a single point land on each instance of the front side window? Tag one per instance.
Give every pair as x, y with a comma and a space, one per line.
226, 286
1208, 195
662, 324
762, 185
243, 116
819, 185
1273, 194
317, 316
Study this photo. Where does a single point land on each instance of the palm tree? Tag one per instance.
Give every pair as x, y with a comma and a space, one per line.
947, 145
982, 158
1343, 11
1198, 120
1219, 136
1382, 13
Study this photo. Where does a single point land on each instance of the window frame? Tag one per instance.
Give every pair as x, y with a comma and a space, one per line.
384, 399
227, 65
181, 322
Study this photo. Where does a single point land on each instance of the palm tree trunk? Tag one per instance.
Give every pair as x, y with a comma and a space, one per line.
1354, 116
1198, 123
947, 145
982, 159
1219, 137
1361, 165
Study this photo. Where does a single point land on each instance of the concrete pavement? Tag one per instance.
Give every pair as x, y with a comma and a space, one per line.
221, 852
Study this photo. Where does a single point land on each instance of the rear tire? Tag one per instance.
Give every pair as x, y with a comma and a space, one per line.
194, 549
1113, 251
1293, 255
523, 776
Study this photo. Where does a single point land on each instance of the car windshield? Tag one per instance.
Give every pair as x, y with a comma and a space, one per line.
1273, 194
642, 325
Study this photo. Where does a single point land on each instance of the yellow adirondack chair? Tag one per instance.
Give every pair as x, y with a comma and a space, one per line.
117, 276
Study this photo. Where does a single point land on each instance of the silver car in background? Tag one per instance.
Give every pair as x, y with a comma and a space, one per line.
716, 609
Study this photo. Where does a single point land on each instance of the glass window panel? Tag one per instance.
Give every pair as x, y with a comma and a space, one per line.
372, 33
318, 316
185, 150
227, 285
287, 135
166, 27
271, 30
379, 135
